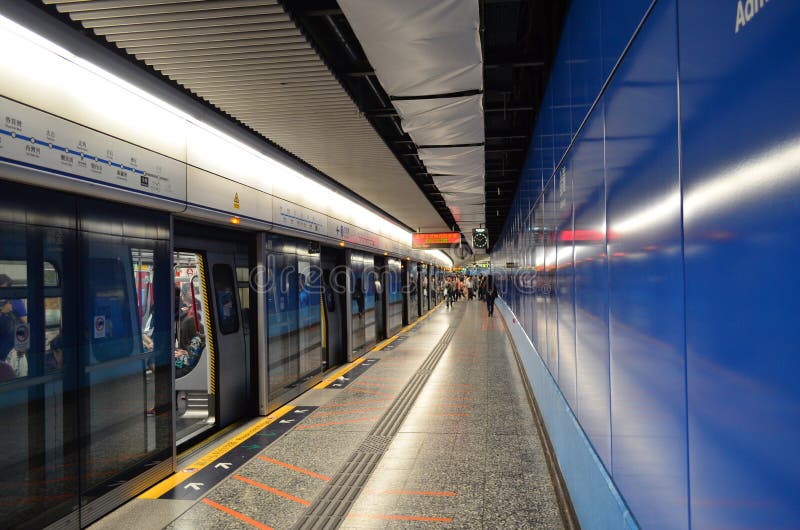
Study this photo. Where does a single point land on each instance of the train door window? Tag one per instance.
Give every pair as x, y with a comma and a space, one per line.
53, 323
14, 325
243, 283
39, 483
124, 352
309, 314
225, 296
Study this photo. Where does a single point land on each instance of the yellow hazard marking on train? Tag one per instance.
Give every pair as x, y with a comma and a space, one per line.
170, 482
212, 354
339, 373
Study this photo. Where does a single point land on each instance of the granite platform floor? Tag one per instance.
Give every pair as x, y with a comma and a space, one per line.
464, 453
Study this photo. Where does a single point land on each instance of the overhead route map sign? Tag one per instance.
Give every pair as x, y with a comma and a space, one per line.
435, 240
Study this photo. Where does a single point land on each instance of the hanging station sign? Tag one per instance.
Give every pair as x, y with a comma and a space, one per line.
435, 240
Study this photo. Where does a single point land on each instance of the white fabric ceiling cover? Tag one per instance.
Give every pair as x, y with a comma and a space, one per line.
443, 121
454, 160
463, 198
426, 49
420, 47
459, 184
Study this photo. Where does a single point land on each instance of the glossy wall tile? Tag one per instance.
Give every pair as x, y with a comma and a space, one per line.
652, 244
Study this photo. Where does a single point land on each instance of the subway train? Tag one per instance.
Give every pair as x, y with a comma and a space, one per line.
163, 276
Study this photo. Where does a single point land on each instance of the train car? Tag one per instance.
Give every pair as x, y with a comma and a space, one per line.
165, 274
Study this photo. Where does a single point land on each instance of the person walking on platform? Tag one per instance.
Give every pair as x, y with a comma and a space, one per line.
469, 286
491, 294
448, 292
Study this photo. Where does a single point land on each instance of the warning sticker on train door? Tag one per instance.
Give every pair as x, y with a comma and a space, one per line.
22, 337
99, 327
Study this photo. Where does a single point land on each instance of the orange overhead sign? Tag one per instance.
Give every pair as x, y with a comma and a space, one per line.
435, 240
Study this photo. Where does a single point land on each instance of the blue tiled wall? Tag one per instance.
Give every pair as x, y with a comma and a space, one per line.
654, 241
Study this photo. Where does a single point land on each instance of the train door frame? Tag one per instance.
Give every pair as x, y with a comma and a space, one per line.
404, 290
231, 381
381, 318
332, 261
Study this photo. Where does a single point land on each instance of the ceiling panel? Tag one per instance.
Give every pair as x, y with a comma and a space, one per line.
249, 59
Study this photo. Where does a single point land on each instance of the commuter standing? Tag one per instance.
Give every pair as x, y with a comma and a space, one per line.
448, 291
491, 294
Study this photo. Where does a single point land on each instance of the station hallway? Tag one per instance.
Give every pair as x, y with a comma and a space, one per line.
431, 429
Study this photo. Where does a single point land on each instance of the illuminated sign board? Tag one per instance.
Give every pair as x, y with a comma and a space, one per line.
435, 240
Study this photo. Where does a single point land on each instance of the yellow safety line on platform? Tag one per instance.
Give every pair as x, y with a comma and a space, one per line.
170, 482
339, 373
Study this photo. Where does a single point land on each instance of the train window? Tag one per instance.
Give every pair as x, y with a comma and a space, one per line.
225, 295
109, 324
143, 274
14, 327
17, 271
54, 359
190, 335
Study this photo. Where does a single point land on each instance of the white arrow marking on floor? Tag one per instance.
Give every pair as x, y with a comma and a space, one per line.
223, 465
337, 384
298, 411
194, 485
286, 421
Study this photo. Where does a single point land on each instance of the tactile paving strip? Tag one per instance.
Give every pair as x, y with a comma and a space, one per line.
331, 506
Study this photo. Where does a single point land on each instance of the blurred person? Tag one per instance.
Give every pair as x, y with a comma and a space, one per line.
448, 291
54, 360
12, 312
491, 294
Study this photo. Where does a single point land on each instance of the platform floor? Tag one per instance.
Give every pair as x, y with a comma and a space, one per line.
435, 432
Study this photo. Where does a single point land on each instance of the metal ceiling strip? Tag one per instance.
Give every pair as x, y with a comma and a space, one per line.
240, 77
262, 81
141, 18
297, 109
275, 90
121, 6
265, 52
252, 92
197, 39
267, 40
246, 65
201, 31
275, 103
274, 20
266, 106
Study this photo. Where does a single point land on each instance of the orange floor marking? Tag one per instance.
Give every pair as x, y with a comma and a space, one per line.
293, 468
378, 400
399, 517
311, 426
238, 515
351, 411
409, 492
273, 490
